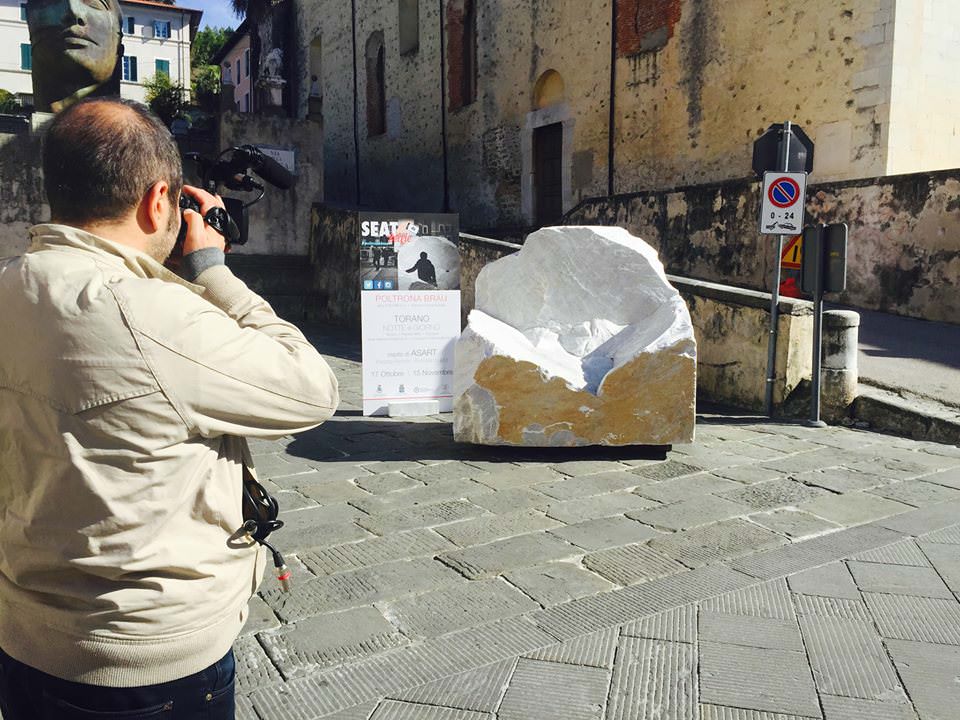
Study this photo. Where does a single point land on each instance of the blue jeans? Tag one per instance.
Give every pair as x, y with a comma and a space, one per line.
28, 694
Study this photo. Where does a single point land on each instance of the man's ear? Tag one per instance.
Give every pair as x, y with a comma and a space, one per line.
152, 207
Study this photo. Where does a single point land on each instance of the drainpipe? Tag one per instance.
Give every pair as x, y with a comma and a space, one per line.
356, 102
443, 112
611, 148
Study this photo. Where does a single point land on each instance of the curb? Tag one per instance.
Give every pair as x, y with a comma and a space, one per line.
913, 418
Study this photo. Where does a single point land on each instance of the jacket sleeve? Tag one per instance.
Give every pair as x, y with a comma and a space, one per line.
229, 365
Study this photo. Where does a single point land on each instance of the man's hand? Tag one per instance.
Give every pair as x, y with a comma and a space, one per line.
199, 234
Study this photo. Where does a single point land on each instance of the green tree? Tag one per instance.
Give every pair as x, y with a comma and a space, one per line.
207, 43
206, 87
164, 97
9, 105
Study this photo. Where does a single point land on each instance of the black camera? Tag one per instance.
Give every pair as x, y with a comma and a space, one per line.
220, 219
232, 170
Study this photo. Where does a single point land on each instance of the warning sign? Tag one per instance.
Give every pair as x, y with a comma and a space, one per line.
792, 253
781, 212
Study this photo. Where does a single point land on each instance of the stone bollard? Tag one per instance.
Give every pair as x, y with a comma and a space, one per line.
839, 374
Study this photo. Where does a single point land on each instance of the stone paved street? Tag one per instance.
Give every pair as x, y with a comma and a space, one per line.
767, 572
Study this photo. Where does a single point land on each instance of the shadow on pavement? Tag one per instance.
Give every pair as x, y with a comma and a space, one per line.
368, 440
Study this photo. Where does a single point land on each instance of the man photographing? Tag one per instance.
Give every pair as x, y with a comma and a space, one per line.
126, 392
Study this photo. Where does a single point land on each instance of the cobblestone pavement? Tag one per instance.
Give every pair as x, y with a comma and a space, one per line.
766, 572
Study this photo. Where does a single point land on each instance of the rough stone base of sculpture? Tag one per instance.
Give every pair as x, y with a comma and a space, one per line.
573, 359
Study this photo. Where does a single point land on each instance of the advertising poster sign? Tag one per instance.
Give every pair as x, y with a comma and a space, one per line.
410, 308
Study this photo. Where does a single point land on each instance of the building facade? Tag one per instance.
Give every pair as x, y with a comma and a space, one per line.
236, 68
156, 38
512, 112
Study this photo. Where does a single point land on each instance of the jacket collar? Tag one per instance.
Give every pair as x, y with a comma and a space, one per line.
51, 235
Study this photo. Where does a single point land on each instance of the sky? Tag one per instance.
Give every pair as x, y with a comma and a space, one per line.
216, 13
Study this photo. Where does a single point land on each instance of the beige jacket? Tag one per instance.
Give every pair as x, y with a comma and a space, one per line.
125, 393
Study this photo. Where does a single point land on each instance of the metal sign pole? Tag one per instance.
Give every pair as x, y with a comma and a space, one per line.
775, 290
818, 250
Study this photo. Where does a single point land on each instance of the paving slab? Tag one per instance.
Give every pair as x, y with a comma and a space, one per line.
917, 493
254, 668
355, 588
553, 691
772, 494
690, 513
676, 625
452, 489
387, 482
790, 559
289, 500
904, 617
593, 650
890, 468
684, 488
512, 477
764, 600
924, 520
756, 632
261, 617
795, 524
899, 580
597, 506
580, 468
848, 658
666, 470
420, 516
479, 690
605, 533
930, 676
947, 478
653, 679
720, 541
312, 528
511, 500
945, 536
632, 564
853, 508
841, 479
905, 552
845, 708
946, 561
457, 607
722, 712
452, 470
496, 527
558, 582
748, 474
326, 492
304, 647
375, 551
396, 710
757, 679
814, 459
576, 488
523, 551
831, 580
831, 607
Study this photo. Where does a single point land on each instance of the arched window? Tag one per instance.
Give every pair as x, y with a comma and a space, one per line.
462, 52
549, 90
376, 86
409, 25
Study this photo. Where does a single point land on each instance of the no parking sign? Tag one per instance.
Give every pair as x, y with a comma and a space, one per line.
781, 210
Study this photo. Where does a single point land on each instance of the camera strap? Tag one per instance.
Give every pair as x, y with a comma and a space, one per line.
260, 511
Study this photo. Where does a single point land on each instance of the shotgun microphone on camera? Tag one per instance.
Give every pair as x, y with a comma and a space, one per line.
265, 166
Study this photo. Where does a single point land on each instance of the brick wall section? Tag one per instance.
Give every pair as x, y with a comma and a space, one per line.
645, 25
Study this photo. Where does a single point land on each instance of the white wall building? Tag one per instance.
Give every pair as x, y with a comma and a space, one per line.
156, 38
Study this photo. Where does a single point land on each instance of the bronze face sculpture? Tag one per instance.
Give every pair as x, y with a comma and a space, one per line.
76, 50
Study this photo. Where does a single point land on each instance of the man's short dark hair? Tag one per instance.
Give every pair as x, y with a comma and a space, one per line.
101, 155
